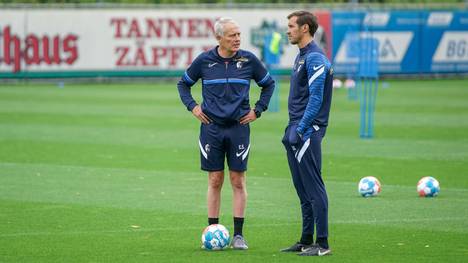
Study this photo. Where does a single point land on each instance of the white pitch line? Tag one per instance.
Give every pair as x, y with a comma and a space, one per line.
137, 172
399, 220
143, 229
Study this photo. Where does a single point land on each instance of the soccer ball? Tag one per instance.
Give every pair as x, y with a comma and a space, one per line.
428, 187
350, 84
369, 186
215, 237
337, 83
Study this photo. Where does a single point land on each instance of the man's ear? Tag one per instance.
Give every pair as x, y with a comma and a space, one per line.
305, 28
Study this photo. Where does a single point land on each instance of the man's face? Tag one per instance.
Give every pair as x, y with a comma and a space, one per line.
294, 31
230, 41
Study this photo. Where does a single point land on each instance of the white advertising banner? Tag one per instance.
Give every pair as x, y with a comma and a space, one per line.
48, 40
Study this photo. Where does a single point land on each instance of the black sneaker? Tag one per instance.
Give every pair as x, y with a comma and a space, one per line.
315, 250
298, 247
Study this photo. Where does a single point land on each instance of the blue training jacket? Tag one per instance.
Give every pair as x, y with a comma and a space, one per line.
310, 89
226, 85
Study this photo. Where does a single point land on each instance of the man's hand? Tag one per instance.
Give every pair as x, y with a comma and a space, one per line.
249, 117
198, 113
294, 138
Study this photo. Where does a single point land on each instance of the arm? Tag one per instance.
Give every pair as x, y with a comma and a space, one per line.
263, 79
317, 68
184, 86
190, 77
266, 82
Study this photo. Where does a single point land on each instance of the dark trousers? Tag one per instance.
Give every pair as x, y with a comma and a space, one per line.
305, 163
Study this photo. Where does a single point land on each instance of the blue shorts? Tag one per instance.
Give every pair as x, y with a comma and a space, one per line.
218, 142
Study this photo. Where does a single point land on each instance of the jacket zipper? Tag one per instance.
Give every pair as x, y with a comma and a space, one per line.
226, 63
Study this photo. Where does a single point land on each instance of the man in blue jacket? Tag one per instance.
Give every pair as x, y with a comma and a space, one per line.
309, 107
225, 114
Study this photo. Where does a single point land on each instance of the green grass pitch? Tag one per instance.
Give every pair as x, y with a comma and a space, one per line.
110, 173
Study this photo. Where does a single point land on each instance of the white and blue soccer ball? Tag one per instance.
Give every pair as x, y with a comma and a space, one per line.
369, 186
350, 84
215, 237
428, 187
337, 83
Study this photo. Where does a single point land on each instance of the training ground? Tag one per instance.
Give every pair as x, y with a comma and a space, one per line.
110, 173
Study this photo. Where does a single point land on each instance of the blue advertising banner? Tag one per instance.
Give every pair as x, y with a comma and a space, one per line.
409, 42
445, 38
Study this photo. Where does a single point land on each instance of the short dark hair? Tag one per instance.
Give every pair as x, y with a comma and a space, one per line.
305, 17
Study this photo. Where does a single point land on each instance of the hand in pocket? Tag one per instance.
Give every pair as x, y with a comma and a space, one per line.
294, 138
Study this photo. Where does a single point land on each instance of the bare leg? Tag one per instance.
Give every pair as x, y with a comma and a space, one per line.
213, 196
239, 190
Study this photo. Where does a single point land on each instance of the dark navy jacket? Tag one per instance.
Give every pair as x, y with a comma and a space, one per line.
226, 85
311, 90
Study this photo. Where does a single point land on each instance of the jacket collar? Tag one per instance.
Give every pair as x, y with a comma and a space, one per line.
309, 46
215, 54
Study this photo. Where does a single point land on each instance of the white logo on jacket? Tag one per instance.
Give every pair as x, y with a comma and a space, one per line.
317, 67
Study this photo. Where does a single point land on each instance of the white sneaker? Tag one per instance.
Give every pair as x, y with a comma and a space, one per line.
238, 242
